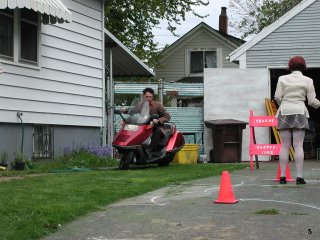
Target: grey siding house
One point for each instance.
(262, 60)
(52, 86)
(295, 33)
(200, 48)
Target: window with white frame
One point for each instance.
(200, 59)
(19, 35)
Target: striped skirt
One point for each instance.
(298, 121)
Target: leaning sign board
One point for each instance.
(261, 149)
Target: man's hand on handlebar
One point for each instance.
(123, 110)
(155, 121)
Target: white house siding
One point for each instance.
(173, 68)
(226, 63)
(66, 88)
(299, 36)
(173, 65)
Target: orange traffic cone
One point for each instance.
(226, 194)
(288, 174)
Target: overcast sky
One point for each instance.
(163, 36)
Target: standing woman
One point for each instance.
(291, 92)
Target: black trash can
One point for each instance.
(227, 140)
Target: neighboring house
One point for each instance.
(52, 89)
(262, 60)
(295, 33)
(202, 47)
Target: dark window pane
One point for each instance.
(196, 62)
(7, 11)
(29, 15)
(210, 59)
(6, 33)
(29, 42)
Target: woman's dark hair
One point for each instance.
(297, 63)
(149, 90)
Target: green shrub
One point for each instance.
(88, 160)
(81, 159)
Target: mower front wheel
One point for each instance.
(126, 159)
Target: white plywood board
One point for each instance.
(231, 94)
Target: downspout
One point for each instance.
(19, 115)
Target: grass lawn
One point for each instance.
(34, 206)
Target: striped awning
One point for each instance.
(52, 11)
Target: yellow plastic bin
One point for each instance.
(188, 154)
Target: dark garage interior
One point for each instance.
(312, 138)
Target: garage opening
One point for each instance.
(312, 138)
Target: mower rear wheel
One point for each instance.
(165, 162)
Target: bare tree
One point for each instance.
(249, 17)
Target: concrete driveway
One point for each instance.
(187, 211)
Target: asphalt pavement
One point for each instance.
(265, 210)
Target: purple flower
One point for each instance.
(67, 150)
(101, 151)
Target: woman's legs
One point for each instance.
(286, 137)
(298, 138)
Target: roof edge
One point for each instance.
(117, 41)
(53, 8)
(192, 31)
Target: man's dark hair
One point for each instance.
(149, 90)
